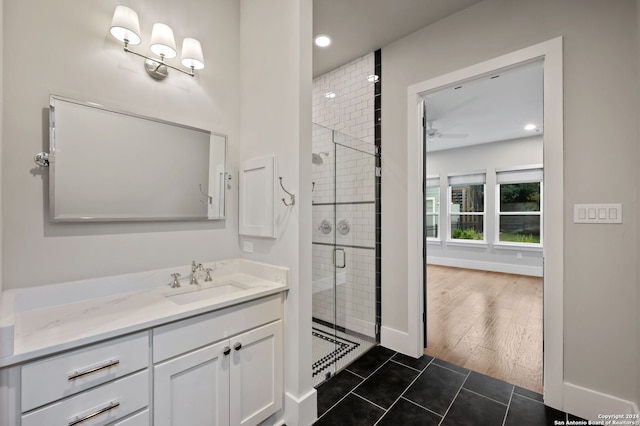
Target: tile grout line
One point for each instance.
(346, 394)
(415, 369)
(370, 402)
(355, 374)
(374, 371)
(487, 397)
(339, 401)
(528, 397)
(406, 389)
(506, 413)
(352, 389)
(418, 405)
(454, 398)
(451, 369)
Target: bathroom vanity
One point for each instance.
(132, 350)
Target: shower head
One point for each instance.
(317, 158)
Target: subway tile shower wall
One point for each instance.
(351, 110)
(344, 192)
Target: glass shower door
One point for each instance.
(323, 237)
(355, 247)
(344, 242)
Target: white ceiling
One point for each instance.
(480, 111)
(359, 27)
(489, 109)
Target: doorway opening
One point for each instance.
(550, 52)
(483, 215)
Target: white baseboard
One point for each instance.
(590, 404)
(508, 268)
(398, 341)
(360, 326)
(301, 411)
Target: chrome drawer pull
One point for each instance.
(109, 407)
(79, 374)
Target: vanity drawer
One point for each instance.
(100, 406)
(140, 419)
(183, 336)
(52, 378)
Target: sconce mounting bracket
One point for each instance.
(155, 69)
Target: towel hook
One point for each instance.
(209, 197)
(293, 197)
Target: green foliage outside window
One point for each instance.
(467, 234)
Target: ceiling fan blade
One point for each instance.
(452, 135)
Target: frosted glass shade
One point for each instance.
(192, 54)
(162, 41)
(125, 25)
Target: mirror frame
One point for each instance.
(53, 152)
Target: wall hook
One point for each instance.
(292, 197)
(209, 197)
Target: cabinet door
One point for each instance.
(257, 374)
(193, 389)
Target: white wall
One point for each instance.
(65, 48)
(1, 131)
(488, 157)
(638, 198)
(600, 161)
(276, 119)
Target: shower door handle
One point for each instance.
(344, 258)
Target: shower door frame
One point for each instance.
(340, 262)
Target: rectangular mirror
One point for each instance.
(108, 165)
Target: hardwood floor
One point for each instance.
(488, 322)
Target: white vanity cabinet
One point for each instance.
(142, 359)
(222, 368)
(94, 385)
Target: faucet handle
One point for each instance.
(208, 278)
(175, 283)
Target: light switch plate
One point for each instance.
(597, 213)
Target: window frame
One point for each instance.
(471, 178)
(528, 173)
(433, 182)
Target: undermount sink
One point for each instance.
(198, 294)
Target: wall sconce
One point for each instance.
(125, 27)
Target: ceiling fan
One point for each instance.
(435, 133)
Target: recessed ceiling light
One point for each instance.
(330, 95)
(373, 78)
(322, 40)
(530, 127)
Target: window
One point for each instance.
(519, 210)
(432, 208)
(466, 206)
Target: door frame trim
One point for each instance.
(553, 252)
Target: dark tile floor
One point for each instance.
(384, 387)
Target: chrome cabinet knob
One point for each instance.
(237, 346)
(226, 351)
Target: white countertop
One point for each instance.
(40, 321)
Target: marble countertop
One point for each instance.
(44, 320)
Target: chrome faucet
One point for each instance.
(195, 267)
(175, 283)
